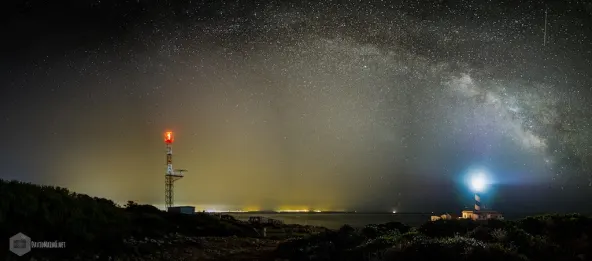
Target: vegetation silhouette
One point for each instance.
(94, 227)
(545, 237)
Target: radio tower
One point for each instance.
(171, 175)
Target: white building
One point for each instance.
(481, 214)
(442, 217)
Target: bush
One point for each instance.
(535, 247)
(303, 248)
(134, 207)
(330, 245)
(375, 247)
(452, 248)
(517, 239)
(569, 233)
(374, 231)
(346, 238)
(481, 233)
(370, 231)
(562, 229)
(447, 228)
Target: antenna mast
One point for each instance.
(170, 175)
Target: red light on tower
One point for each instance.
(168, 137)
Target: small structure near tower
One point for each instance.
(183, 210)
(170, 175)
(442, 217)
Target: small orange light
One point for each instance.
(168, 137)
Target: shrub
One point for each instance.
(370, 231)
(499, 235)
(374, 247)
(447, 228)
(452, 248)
(534, 247)
(482, 233)
(304, 248)
(374, 231)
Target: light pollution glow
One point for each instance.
(305, 111)
(284, 209)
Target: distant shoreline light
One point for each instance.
(275, 211)
(297, 211)
(224, 211)
(280, 211)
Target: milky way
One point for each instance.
(325, 105)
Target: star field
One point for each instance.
(320, 104)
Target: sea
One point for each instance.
(357, 220)
(337, 220)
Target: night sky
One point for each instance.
(373, 105)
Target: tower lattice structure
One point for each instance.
(171, 175)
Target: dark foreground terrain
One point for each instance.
(98, 229)
(548, 237)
